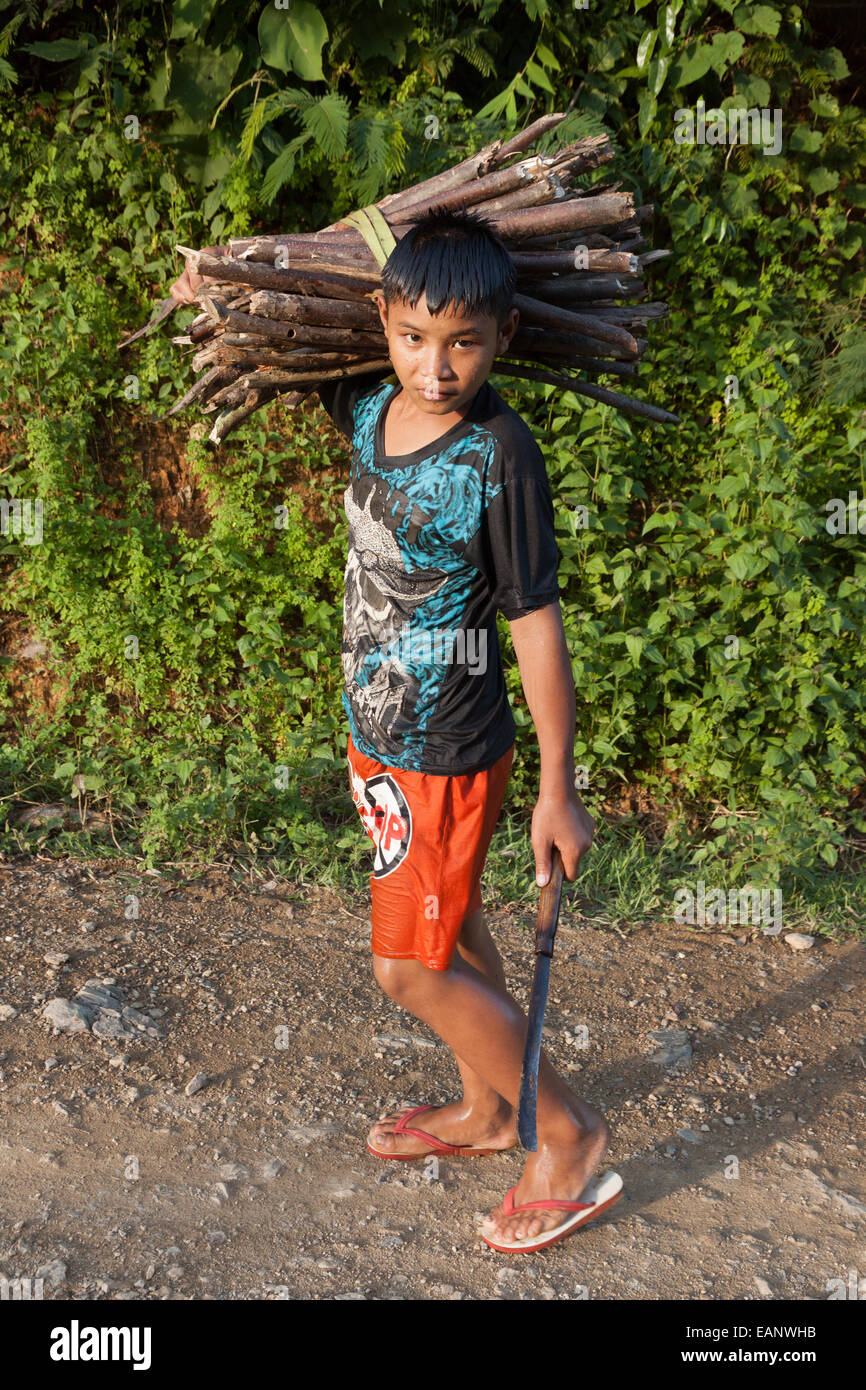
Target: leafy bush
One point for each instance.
(715, 623)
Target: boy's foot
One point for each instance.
(563, 1171)
(452, 1123)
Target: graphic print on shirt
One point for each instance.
(386, 816)
(404, 578)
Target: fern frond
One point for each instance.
(9, 31)
(283, 167)
(328, 121)
(476, 55)
(263, 112)
(368, 140)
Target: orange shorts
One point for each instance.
(431, 832)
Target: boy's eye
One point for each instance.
(466, 342)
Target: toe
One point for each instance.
(492, 1219)
(383, 1139)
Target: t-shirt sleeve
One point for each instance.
(339, 396)
(515, 545)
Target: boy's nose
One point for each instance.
(438, 370)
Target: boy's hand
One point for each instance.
(560, 819)
(185, 286)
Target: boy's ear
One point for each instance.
(378, 298)
(508, 329)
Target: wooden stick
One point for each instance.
(597, 393)
(587, 364)
(628, 314)
(307, 333)
(479, 190)
(581, 285)
(252, 356)
(230, 421)
(564, 217)
(540, 263)
(474, 166)
(535, 342)
(275, 377)
(267, 277)
(534, 311)
(333, 313)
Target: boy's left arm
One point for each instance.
(560, 817)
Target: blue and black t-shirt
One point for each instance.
(439, 540)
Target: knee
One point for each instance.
(472, 929)
(398, 978)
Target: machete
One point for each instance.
(545, 931)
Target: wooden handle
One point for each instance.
(548, 908)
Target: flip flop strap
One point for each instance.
(401, 1127)
(549, 1204)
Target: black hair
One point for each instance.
(452, 256)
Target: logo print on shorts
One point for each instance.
(392, 822)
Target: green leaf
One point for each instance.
(200, 77)
(645, 48)
(832, 62)
(758, 19)
(635, 644)
(726, 49)
(695, 64)
(292, 40)
(549, 59)
(657, 73)
(60, 51)
(539, 77)
(190, 18)
(667, 22)
(659, 518)
(745, 563)
(646, 112)
(751, 90)
(822, 180)
(824, 105)
(803, 138)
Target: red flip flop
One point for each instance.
(602, 1195)
(438, 1146)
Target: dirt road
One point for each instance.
(201, 1134)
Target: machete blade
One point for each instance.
(545, 932)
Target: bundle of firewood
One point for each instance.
(280, 314)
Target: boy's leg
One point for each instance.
(482, 1115)
(487, 1029)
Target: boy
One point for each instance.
(451, 518)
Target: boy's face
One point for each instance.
(442, 360)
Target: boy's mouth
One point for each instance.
(431, 392)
